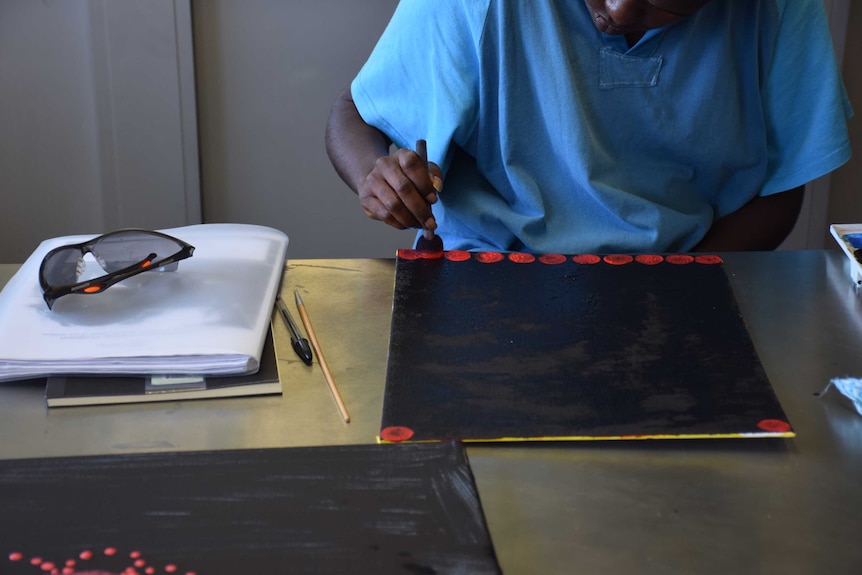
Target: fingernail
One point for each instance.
(430, 225)
(437, 182)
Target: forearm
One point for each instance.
(352, 145)
(761, 224)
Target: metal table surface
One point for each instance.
(677, 506)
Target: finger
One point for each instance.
(411, 204)
(408, 177)
(375, 210)
(389, 195)
(436, 179)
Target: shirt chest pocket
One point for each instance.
(621, 71)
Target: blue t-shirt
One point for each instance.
(557, 138)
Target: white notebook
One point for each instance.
(209, 317)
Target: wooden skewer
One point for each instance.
(320, 358)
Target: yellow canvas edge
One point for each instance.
(751, 435)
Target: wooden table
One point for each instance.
(685, 506)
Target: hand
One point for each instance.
(400, 189)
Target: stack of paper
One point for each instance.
(209, 317)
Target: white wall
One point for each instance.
(49, 169)
(97, 122)
(268, 72)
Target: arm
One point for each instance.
(761, 224)
(396, 189)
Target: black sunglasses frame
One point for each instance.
(97, 285)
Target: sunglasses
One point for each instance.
(122, 254)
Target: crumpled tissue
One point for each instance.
(851, 387)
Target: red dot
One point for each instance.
(396, 433)
(139, 563)
(68, 570)
(35, 561)
(489, 257)
(70, 562)
(409, 254)
(149, 570)
(520, 258)
(775, 425)
(586, 259)
(85, 555)
(110, 551)
(15, 556)
(47, 566)
(649, 259)
(679, 259)
(135, 554)
(170, 568)
(552, 259)
(708, 259)
(457, 255)
(618, 259)
(430, 254)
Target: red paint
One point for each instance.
(589, 259)
(618, 259)
(489, 257)
(396, 433)
(70, 564)
(775, 425)
(649, 259)
(457, 255)
(552, 259)
(409, 255)
(708, 259)
(679, 259)
(520, 258)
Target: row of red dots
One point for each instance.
(553, 259)
(139, 565)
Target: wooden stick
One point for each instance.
(323, 365)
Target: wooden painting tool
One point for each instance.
(428, 241)
(330, 381)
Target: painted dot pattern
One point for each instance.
(87, 562)
(401, 433)
(556, 259)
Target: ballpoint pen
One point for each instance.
(299, 343)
